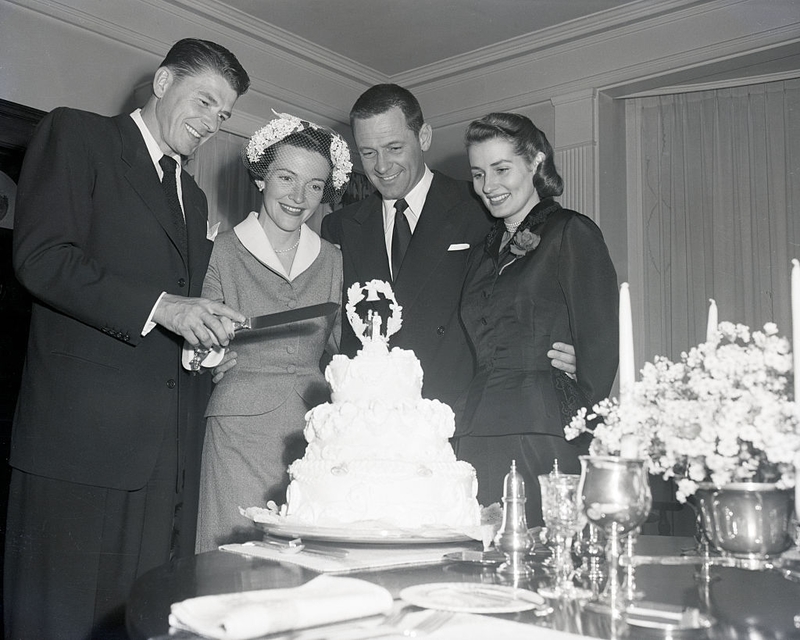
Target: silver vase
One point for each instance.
(746, 519)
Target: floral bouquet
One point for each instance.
(723, 414)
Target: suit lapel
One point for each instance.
(143, 177)
(196, 211)
(369, 245)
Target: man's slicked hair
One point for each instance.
(381, 98)
(191, 56)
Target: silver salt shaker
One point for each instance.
(513, 538)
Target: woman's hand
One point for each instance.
(228, 362)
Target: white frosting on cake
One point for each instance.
(383, 493)
(375, 375)
(379, 454)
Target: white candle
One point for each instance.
(713, 321)
(626, 366)
(796, 365)
(796, 329)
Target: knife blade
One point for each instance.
(286, 317)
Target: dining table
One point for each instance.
(737, 599)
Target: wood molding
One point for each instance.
(576, 167)
(674, 35)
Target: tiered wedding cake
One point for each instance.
(378, 454)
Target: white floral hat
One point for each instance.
(284, 125)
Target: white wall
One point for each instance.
(91, 54)
(46, 63)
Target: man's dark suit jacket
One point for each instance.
(95, 245)
(428, 286)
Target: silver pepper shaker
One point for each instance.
(513, 538)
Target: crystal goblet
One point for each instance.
(614, 494)
(563, 518)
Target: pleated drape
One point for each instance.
(217, 167)
(720, 209)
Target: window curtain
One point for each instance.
(716, 184)
(218, 170)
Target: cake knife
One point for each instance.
(195, 357)
(285, 317)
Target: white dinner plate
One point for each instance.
(362, 536)
(473, 597)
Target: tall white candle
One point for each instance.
(796, 365)
(626, 366)
(713, 320)
(796, 329)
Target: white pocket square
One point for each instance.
(458, 246)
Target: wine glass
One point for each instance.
(563, 518)
(614, 493)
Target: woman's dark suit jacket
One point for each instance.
(95, 244)
(515, 308)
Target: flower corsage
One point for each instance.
(524, 240)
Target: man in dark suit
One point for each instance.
(111, 239)
(445, 220)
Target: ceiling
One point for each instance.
(394, 37)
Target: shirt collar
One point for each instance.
(152, 146)
(415, 199)
(253, 237)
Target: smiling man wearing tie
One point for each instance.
(111, 239)
(416, 232)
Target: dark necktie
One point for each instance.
(170, 185)
(401, 236)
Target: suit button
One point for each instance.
(290, 349)
(291, 368)
(182, 282)
(440, 330)
(171, 383)
(291, 304)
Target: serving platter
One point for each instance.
(362, 536)
(467, 597)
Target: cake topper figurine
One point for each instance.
(373, 311)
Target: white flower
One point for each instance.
(723, 413)
(284, 125)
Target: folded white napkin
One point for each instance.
(251, 614)
(358, 558)
(213, 358)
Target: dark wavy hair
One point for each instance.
(191, 56)
(381, 98)
(528, 141)
(309, 139)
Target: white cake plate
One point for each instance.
(362, 536)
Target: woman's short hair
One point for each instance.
(527, 140)
(383, 97)
(309, 139)
(191, 56)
